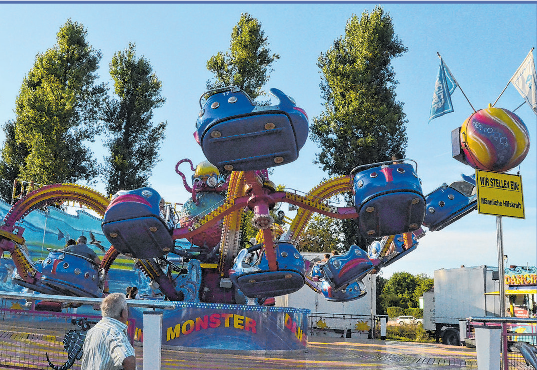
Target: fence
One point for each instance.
(513, 330)
(28, 335)
(339, 324)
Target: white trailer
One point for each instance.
(459, 293)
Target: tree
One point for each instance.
(381, 306)
(248, 62)
(56, 112)
(399, 290)
(322, 235)
(133, 139)
(362, 122)
(425, 283)
(13, 156)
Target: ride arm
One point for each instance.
(10, 242)
(315, 205)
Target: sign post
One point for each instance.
(500, 194)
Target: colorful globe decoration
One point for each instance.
(494, 139)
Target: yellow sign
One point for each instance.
(499, 194)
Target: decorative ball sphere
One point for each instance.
(207, 202)
(494, 139)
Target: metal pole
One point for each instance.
(372, 277)
(501, 273)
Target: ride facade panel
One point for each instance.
(235, 327)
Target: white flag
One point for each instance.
(525, 81)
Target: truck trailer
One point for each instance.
(459, 293)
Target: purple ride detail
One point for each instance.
(232, 327)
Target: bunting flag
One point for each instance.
(444, 87)
(524, 80)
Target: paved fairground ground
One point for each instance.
(325, 353)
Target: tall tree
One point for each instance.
(322, 235)
(134, 140)
(248, 63)
(362, 122)
(56, 112)
(13, 156)
(401, 286)
(425, 283)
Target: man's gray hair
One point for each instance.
(113, 304)
(82, 240)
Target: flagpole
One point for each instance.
(498, 98)
(439, 56)
(519, 106)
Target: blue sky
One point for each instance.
(482, 44)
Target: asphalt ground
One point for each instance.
(325, 353)
(24, 347)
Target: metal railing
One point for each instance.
(339, 324)
(27, 334)
(514, 330)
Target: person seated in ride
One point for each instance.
(132, 293)
(324, 260)
(83, 250)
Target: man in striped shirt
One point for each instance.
(107, 346)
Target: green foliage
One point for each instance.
(381, 309)
(56, 111)
(394, 312)
(402, 285)
(408, 333)
(403, 290)
(322, 235)
(133, 140)
(425, 284)
(13, 156)
(248, 62)
(362, 122)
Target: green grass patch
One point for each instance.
(408, 333)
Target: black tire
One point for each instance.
(451, 337)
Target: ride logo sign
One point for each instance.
(499, 194)
(236, 327)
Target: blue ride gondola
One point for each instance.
(66, 273)
(448, 203)
(251, 273)
(388, 198)
(353, 291)
(71, 274)
(235, 134)
(135, 225)
(345, 269)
